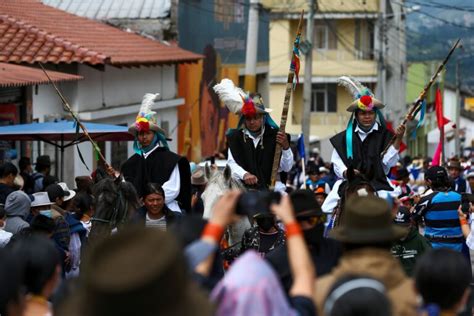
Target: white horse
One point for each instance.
(220, 182)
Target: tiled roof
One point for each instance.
(114, 9)
(31, 31)
(17, 76)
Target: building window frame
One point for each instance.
(329, 106)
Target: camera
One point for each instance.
(252, 203)
(465, 199)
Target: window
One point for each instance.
(324, 97)
(325, 35)
(364, 39)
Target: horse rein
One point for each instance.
(113, 221)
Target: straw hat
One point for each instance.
(41, 199)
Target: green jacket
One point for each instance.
(409, 249)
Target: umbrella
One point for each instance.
(63, 134)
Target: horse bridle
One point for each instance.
(113, 221)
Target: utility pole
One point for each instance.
(457, 143)
(250, 82)
(308, 74)
(380, 91)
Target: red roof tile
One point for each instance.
(17, 76)
(33, 32)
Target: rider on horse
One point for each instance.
(361, 144)
(252, 144)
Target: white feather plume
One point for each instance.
(230, 95)
(352, 85)
(147, 103)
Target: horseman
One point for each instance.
(153, 162)
(361, 144)
(252, 145)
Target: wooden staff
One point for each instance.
(286, 103)
(417, 104)
(74, 116)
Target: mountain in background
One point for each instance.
(434, 26)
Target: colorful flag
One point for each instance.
(441, 120)
(300, 146)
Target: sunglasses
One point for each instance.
(313, 220)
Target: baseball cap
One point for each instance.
(403, 216)
(436, 172)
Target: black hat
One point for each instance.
(403, 216)
(436, 173)
(43, 161)
(304, 201)
(367, 220)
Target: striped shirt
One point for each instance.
(439, 211)
(159, 223)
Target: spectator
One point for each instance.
(68, 196)
(470, 179)
(410, 247)
(314, 179)
(43, 168)
(459, 184)
(154, 212)
(320, 195)
(12, 301)
(113, 285)
(367, 232)
(26, 172)
(43, 225)
(39, 262)
(251, 286)
(17, 209)
(324, 252)
(357, 295)
(402, 180)
(443, 286)
(8, 173)
(84, 184)
(198, 183)
(439, 211)
(4, 235)
(83, 209)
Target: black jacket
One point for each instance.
(140, 216)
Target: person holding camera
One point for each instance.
(252, 144)
(439, 211)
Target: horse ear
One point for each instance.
(350, 174)
(227, 173)
(207, 170)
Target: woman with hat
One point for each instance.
(154, 162)
(363, 141)
(252, 144)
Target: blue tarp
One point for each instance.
(64, 131)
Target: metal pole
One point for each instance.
(250, 83)
(308, 75)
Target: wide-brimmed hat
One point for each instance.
(111, 283)
(198, 177)
(239, 102)
(68, 194)
(470, 175)
(454, 164)
(364, 99)
(367, 220)
(41, 199)
(305, 203)
(146, 119)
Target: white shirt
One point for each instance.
(286, 161)
(388, 161)
(170, 187)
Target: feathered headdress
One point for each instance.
(363, 98)
(237, 101)
(146, 119)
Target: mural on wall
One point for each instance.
(217, 30)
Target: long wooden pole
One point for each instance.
(286, 103)
(417, 104)
(74, 116)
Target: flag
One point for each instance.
(295, 61)
(439, 111)
(300, 146)
(437, 155)
(422, 111)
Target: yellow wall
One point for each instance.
(324, 5)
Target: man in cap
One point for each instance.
(439, 211)
(366, 233)
(43, 168)
(324, 252)
(153, 162)
(410, 247)
(459, 184)
(252, 145)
